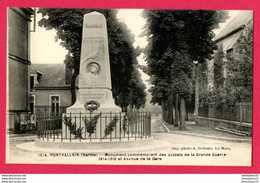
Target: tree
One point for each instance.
(167, 59)
(137, 94)
(238, 85)
(200, 27)
(175, 39)
(68, 26)
(240, 70)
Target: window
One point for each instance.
(55, 104)
(33, 81)
(230, 53)
(32, 104)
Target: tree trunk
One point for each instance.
(163, 112)
(170, 109)
(73, 86)
(183, 114)
(176, 122)
(196, 110)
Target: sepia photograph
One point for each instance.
(129, 86)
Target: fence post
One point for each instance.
(136, 125)
(66, 131)
(142, 125)
(69, 129)
(53, 127)
(61, 127)
(75, 127)
(105, 124)
(85, 129)
(150, 127)
(115, 128)
(128, 123)
(100, 128)
(80, 124)
(120, 127)
(90, 126)
(110, 122)
(240, 112)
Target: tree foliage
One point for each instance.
(218, 67)
(123, 55)
(138, 95)
(240, 71)
(238, 85)
(176, 38)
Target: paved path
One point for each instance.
(157, 126)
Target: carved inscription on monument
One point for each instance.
(93, 26)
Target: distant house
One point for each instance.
(18, 64)
(50, 88)
(228, 39)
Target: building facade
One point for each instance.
(19, 20)
(50, 88)
(228, 38)
(228, 45)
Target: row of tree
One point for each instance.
(176, 40)
(127, 86)
(179, 42)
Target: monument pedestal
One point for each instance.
(102, 96)
(78, 112)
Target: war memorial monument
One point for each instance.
(94, 121)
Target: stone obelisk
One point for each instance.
(94, 75)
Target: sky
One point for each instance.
(45, 50)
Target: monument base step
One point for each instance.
(104, 108)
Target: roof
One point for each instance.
(230, 40)
(51, 74)
(239, 20)
(29, 10)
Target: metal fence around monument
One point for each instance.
(128, 126)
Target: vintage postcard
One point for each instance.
(129, 87)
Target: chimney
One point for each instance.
(68, 74)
